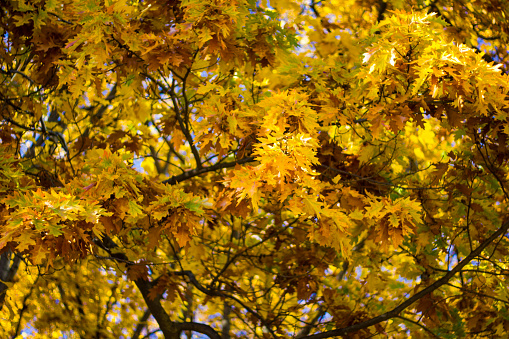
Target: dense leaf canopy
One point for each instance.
(242, 169)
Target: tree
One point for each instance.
(247, 169)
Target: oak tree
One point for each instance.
(254, 169)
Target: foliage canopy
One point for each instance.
(242, 169)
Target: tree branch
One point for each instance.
(200, 328)
(7, 272)
(24, 307)
(170, 329)
(217, 293)
(197, 171)
(382, 7)
(141, 325)
(395, 312)
(417, 324)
